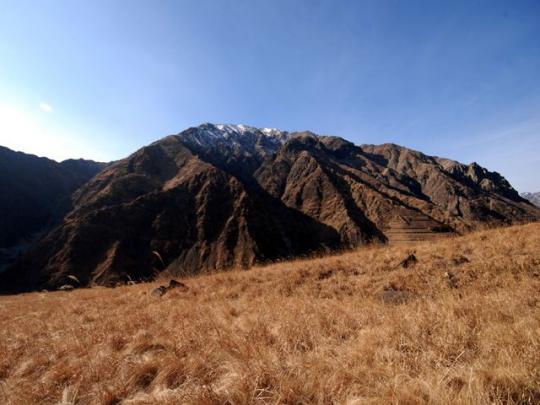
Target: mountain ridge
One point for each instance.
(223, 196)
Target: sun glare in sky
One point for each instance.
(36, 130)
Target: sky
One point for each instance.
(99, 79)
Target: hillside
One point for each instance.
(216, 197)
(35, 195)
(461, 324)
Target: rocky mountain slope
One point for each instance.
(221, 196)
(35, 194)
(532, 197)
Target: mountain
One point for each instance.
(35, 195)
(532, 197)
(222, 196)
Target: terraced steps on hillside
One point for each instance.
(412, 226)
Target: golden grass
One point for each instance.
(354, 328)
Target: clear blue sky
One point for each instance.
(99, 79)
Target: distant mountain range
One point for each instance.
(532, 197)
(222, 196)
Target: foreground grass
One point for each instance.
(354, 328)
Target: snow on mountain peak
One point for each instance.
(228, 130)
(241, 128)
(272, 132)
(246, 138)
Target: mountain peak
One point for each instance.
(237, 128)
(238, 139)
(227, 130)
(534, 198)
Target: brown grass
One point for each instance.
(354, 328)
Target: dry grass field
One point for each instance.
(461, 325)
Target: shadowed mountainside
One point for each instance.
(222, 196)
(36, 193)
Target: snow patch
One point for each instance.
(248, 139)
